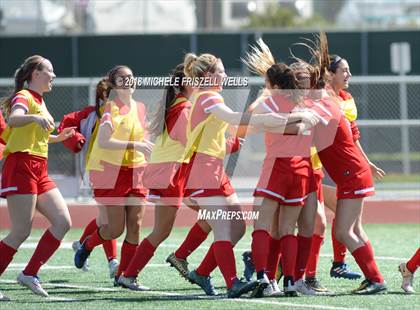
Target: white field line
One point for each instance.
(241, 300)
(68, 245)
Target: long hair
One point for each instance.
(22, 74)
(103, 88)
(157, 124)
(260, 59)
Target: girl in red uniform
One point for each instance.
(349, 169)
(116, 165)
(407, 271)
(86, 122)
(25, 181)
(207, 182)
(286, 183)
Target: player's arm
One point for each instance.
(377, 172)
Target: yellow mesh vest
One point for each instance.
(31, 138)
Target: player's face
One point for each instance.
(124, 79)
(219, 75)
(45, 76)
(342, 75)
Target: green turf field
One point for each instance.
(73, 289)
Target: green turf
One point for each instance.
(171, 292)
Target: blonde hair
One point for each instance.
(260, 59)
(197, 66)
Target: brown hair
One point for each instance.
(197, 66)
(157, 125)
(23, 74)
(103, 89)
(113, 73)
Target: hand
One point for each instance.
(377, 172)
(274, 120)
(144, 147)
(66, 133)
(44, 122)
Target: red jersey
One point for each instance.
(340, 156)
(292, 151)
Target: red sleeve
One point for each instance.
(73, 119)
(270, 105)
(176, 122)
(2, 128)
(73, 142)
(355, 131)
(232, 145)
(21, 101)
(209, 101)
(322, 111)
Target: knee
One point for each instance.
(114, 233)
(341, 234)
(20, 235)
(286, 230)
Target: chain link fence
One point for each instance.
(388, 107)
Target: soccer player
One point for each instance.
(25, 182)
(349, 169)
(116, 165)
(86, 122)
(407, 272)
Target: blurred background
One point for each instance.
(85, 38)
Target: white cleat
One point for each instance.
(75, 246)
(113, 267)
(32, 283)
(4, 298)
(273, 289)
(304, 288)
(407, 279)
(131, 283)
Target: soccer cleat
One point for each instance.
(76, 245)
(273, 289)
(240, 287)
(304, 288)
(4, 298)
(314, 284)
(204, 282)
(116, 284)
(81, 256)
(262, 284)
(289, 287)
(279, 272)
(249, 265)
(113, 265)
(32, 282)
(407, 279)
(368, 287)
(132, 284)
(342, 270)
(179, 264)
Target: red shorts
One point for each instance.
(286, 187)
(359, 186)
(173, 194)
(318, 176)
(205, 177)
(112, 185)
(24, 173)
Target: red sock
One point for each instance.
(144, 253)
(339, 249)
(94, 240)
(6, 256)
(110, 249)
(412, 264)
(304, 249)
(260, 248)
(195, 237)
(366, 261)
(208, 264)
(89, 229)
(273, 258)
(312, 264)
(127, 252)
(223, 251)
(288, 248)
(44, 250)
